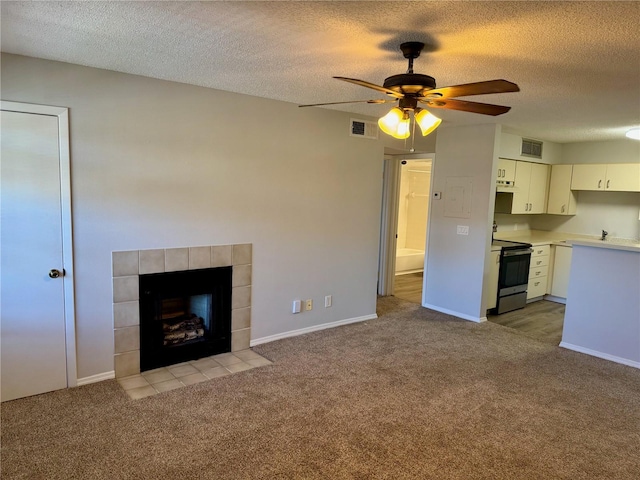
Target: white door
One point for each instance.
(33, 329)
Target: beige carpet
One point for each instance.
(413, 394)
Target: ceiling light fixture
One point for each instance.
(633, 133)
(397, 122)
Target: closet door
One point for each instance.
(33, 349)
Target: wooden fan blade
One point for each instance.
(381, 100)
(478, 88)
(362, 83)
(462, 105)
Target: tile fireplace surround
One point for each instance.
(127, 266)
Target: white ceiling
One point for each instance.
(577, 63)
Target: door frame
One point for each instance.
(389, 220)
(62, 115)
(388, 225)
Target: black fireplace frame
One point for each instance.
(158, 286)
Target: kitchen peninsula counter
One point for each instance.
(542, 237)
(602, 316)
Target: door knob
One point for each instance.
(54, 273)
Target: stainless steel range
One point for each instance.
(515, 258)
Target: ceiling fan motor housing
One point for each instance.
(410, 83)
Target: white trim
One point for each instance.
(553, 298)
(62, 114)
(463, 316)
(315, 328)
(595, 353)
(388, 226)
(99, 377)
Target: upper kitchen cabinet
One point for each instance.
(506, 173)
(506, 170)
(613, 177)
(562, 201)
(530, 193)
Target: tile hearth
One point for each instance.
(180, 375)
(129, 265)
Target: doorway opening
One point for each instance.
(404, 226)
(413, 213)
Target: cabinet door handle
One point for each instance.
(607, 183)
(599, 183)
(536, 284)
(538, 262)
(562, 209)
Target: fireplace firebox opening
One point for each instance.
(184, 316)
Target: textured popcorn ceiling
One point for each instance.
(577, 63)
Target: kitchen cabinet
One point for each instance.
(561, 268)
(506, 175)
(494, 273)
(562, 200)
(538, 271)
(614, 177)
(531, 187)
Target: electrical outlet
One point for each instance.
(308, 304)
(463, 229)
(327, 301)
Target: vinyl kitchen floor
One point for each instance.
(542, 320)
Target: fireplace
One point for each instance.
(184, 316)
(129, 266)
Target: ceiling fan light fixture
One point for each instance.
(426, 120)
(395, 123)
(633, 133)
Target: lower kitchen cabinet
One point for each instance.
(538, 272)
(561, 267)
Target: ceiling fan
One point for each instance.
(410, 89)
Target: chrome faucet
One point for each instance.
(604, 235)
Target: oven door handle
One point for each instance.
(511, 253)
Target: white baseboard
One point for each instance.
(96, 378)
(595, 353)
(315, 328)
(464, 316)
(553, 298)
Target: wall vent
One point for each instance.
(364, 129)
(531, 148)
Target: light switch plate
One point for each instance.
(463, 230)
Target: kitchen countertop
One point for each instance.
(541, 237)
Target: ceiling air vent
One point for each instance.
(531, 148)
(360, 128)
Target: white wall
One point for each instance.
(616, 212)
(158, 164)
(456, 263)
(613, 151)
